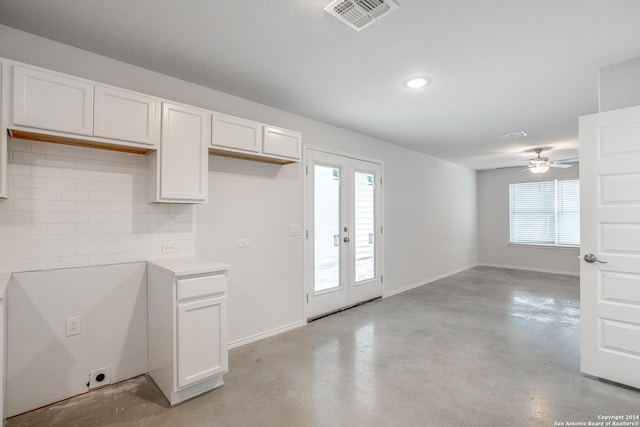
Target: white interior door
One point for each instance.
(344, 232)
(610, 241)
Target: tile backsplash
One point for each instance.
(74, 206)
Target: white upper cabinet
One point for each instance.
(235, 137)
(282, 143)
(235, 133)
(125, 115)
(3, 130)
(178, 171)
(56, 107)
(53, 101)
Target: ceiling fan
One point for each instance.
(542, 164)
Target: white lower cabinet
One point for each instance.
(187, 326)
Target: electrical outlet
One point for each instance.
(170, 247)
(244, 242)
(99, 377)
(73, 326)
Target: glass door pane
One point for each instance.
(326, 216)
(364, 205)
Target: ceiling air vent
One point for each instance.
(360, 13)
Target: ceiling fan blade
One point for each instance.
(560, 165)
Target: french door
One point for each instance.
(610, 245)
(344, 232)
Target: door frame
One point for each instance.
(307, 221)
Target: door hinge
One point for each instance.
(381, 230)
(307, 170)
(307, 234)
(381, 279)
(380, 180)
(307, 298)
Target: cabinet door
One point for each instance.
(282, 143)
(186, 132)
(201, 340)
(3, 133)
(52, 101)
(126, 116)
(237, 134)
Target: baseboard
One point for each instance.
(539, 270)
(266, 334)
(386, 294)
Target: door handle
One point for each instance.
(347, 240)
(591, 258)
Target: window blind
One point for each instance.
(545, 213)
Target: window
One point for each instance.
(545, 213)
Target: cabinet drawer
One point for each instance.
(201, 286)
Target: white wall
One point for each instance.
(430, 205)
(493, 224)
(44, 365)
(619, 85)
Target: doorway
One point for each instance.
(344, 255)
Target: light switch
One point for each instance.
(244, 242)
(295, 230)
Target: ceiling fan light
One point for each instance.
(539, 169)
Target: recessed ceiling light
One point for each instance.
(416, 83)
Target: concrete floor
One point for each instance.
(486, 347)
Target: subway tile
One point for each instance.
(18, 169)
(89, 185)
(45, 217)
(101, 259)
(45, 240)
(76, 174)
(90, 249)
(74, 217)
(46, 171)
(45, 194)
(19, 193)
(116, 227)
(61, 183)
(19, 145)
(74, 238)
(29, 205)
(29, 253)
(60, 162)
(46, 148)
(73, 151)
(61, 229)
(10, 218)
(29, 229)
(22, 157)
(28, 181)
(114, 248)
(54, 251)
(89, 229)
(6, 230)
(75, 195)
(60, 206)
(74, 261)
(44, 263)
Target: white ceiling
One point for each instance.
(496, 66)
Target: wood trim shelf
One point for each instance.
(247, 156)
(78, 142)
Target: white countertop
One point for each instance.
(189, 266)
(4, 282)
